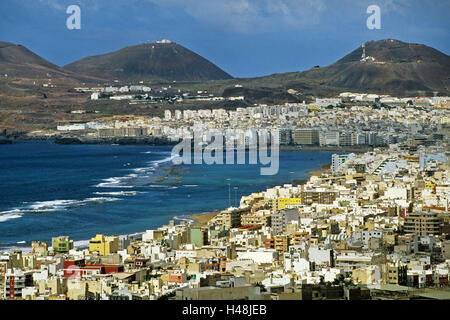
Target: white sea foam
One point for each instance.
(55, 205)
(109, 185)
(10, 214)
(49, 206)
(158, 186)
(100, 200)
(190, 185)
(158, 162)
(134, 234)
(24, 249)
(118, 193)
(113, 182)
(143, 172)
(184, 218)
(145, 169)
(81, 243)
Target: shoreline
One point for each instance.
(162, 141)
(197, 219)
(325, 148)
(318, 172)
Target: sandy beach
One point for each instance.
(325, 167)
(203, 218)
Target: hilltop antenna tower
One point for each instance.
(363, 56)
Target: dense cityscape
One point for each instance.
(358, 120)
(270, 157)
(374, 224)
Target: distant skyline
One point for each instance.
(246, 38)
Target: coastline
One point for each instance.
(162, 141)
(318, 172)
(201, 219)
(354, 149)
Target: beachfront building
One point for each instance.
(306, 136)
(62, 244)
(104, 245)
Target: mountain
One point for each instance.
(17, 61)
(390, 66)
(163, 60)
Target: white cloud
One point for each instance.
(248, 16)
(61, 5)
(55, 4)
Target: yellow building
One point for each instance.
(429, 184)
(76, 289)
(291, 228)
(282, 203)
(54, 287)
(39, 248)
(313, 107)
(282, 243)
(365, 276)
(104, 245)
(369, 224)
(394, 274)
(298, 237)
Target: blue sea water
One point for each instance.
(48, 190)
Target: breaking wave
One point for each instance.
(49, 206)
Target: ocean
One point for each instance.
(48, 190)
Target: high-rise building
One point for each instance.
(282, 217)
(15, 282)
(423, 223)
(306, 136)
(337, 160)
(347, 138)
(331, 137)
(285, 136)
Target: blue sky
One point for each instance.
(244, 37)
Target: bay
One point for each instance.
(48, 190)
